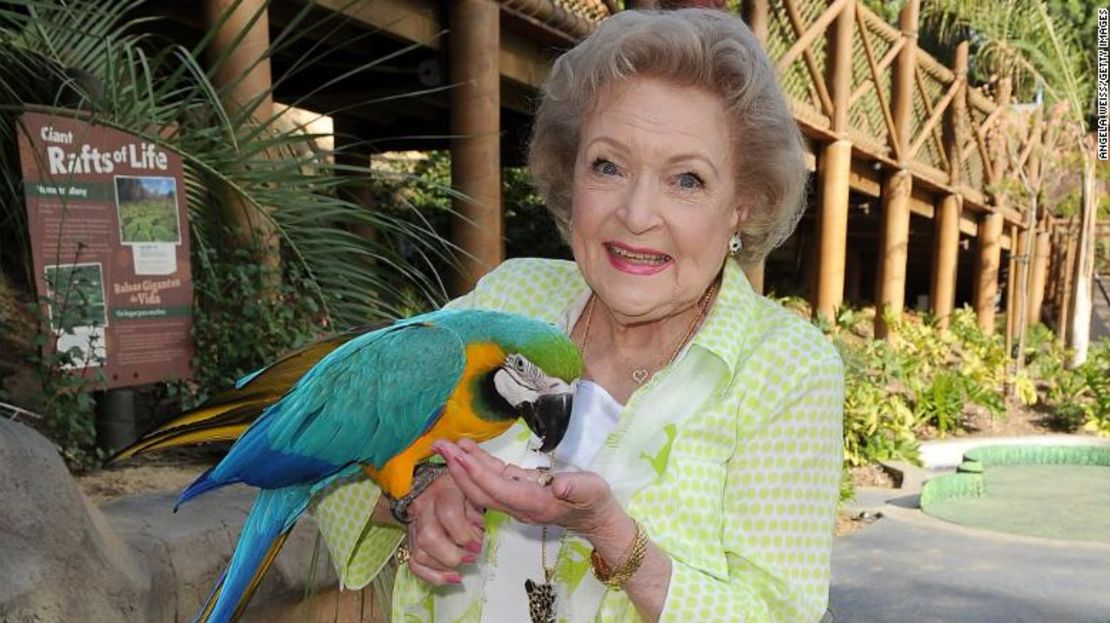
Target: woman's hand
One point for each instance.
(446, 531)
(579, 501)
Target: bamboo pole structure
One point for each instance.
(946, 255)
(474, 50)
(989, 241)
(834, 171)
(237, 54)
(898, 186)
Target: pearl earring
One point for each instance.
(735, 244)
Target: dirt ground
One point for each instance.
(167, 471)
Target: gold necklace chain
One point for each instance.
(640, 375)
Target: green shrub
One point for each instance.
(247, 313)
(1096, 373)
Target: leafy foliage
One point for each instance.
(1036, 47)
(66, 376)
(923, 381)
(418, 186)
(149, 220)
(85, 59)
(240, 320)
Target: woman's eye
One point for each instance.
(605, 167)
(689, 181)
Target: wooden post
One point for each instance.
(988, 259)
(1041, 250)
(474, 49)
(898, 186)
(989, 244)
(242, 75)
(945, 258)
(1022, 246)
(1058, 268)
(1055, 260)
(355, 160)
(757, 14)
(834, 170)
(946, 255)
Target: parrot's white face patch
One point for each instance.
(520, 381)
(512, 390)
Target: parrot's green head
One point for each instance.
(537, 379)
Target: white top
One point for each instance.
(593, 416)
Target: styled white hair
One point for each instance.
(703, 48)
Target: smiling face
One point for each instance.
(655, 201)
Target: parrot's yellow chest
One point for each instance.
(458, 421)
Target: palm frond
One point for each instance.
(85, 57)
(1018, 39)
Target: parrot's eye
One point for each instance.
(525, 371)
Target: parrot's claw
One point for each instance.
(422, 476)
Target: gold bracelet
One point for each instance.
(616, 578)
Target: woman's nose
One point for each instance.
(639, 210)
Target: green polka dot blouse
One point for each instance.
(730, 458)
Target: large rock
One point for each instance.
(59, 559)
(62, 559)
(185, 552)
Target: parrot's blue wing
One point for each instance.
(363, 403)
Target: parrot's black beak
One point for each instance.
(548, 417)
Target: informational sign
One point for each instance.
(110, 240)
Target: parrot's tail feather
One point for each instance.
(208, 424)
(229, 432)
(258, 575)
(206, 613)
(226, 415)
(264, 533)
(199, 486)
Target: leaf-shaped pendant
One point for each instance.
(541, 601)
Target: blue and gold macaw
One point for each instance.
(373, 403)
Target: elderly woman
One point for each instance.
(699, 478)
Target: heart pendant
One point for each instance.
(541, 601)
(639, 375)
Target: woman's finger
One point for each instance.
(452, 517)
(432, 576)
(479, 455)
(432, 547)
(514, 490)
(456, 465)
(476, 516)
